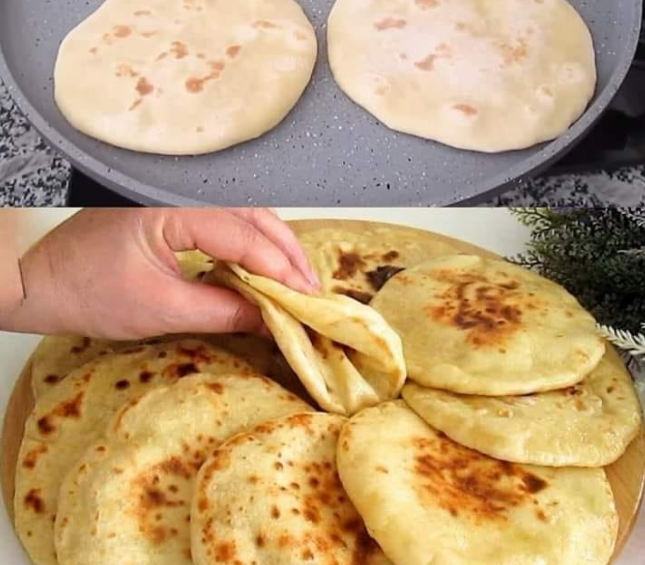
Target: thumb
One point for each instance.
(202, 308)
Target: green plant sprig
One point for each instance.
(598, 255)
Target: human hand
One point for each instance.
(112, 273)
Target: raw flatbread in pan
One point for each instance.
(128, 499)
(75, 413)
(589, 424)
(184, 77)
(475, 74)
(426, 499)
(272, 497)
(345, 354)
(358, 262)
(483, 326)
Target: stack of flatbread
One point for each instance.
(466, 409)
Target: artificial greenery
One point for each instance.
(599, 256)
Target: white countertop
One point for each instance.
(494, 229)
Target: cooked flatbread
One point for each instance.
(57, 356)
(483, 75)
(194, 264)
(426, 499)
(272, 497)
(75, 413)
(184, 77)
(483, 326)
(345, 354)
(589, 424)
(358, 262)
(128, 498)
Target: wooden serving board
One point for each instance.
(626, 476)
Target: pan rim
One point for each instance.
(471, 193)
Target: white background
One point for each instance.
(494, 229)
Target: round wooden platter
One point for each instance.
(627, 475)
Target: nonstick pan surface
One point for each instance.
(327, 152)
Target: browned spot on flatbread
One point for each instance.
(146, 376)
(122, 384)
(379, 276)
(488, 312)
(195, 85)
(390, 23)
(127, 71)
(143, 13)
(513, 53)
(162, 56)
(364, 297)
(34, 502)
(152, 500)
(31, 459)
(299, 35)
(185, 369)
(135, 104)
(263, 24)
(179, 49)
(52, 379)
(466, 109)
(225, 552)
(426, 64)
(70, 408)
(94, 50)
(390, 256)
(45, 425)
(426, 4)
(122, 31)
(144, 88)
(233, 51)
(148, 34)
(217, 388)
(78, 349)
(348, 265)
(467, 483)
(176, 467)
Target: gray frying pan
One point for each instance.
(327, 152)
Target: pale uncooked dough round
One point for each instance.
(186, 76)
(486, 76)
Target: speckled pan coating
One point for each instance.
(327, 152)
